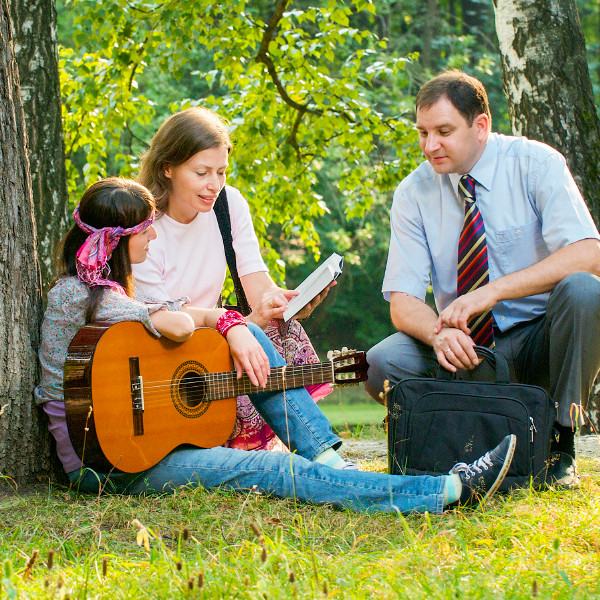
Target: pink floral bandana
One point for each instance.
(94, 254)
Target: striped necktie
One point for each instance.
(473, 261)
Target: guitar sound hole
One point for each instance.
(192, 389)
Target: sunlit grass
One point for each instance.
(543, 544)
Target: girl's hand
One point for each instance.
(248, 355)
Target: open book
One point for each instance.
(314, 284)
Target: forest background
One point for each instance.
(317, 167)
(320, 99)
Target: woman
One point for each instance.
(113, 230)
(185, 169)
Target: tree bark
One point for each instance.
(547, 84)
(34, 30)
(23, 450)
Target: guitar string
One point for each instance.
(227, 377)
(160, 398)
(287, 426)
(200, 382)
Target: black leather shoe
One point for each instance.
(562, 471)
(482, 478)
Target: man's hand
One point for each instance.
(454, 349)
(458, 314)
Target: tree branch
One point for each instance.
(264, 58)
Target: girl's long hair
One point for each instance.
(180, 137)
(109, 202)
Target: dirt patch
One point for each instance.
(588, 446)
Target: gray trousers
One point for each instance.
(559, 351)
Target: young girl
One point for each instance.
(113, 229)
(185, 169)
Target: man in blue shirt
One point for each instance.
(543, 255)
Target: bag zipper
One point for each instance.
(532, 428)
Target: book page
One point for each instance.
(314, 284)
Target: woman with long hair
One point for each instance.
(185, 169)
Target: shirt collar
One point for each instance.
(485, 167)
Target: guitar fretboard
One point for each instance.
(227, 385)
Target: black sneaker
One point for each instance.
(483, 477)
(562, 471)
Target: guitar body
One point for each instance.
(111, 426)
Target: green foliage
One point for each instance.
(319, 97)
(295, 91)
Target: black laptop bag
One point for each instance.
(434, 423)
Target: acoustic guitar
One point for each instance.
(131, 398)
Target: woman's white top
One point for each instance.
(188, 259)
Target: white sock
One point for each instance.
(452, 489)
(331, 458)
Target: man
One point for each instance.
(530, 288)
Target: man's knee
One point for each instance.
(376, 358)
(395, 358)
(578, 291)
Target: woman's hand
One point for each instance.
(248, 355)
(307, 310)
(272, 305)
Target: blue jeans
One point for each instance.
(294, 417)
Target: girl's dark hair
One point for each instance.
(109, 202)
(180, 137)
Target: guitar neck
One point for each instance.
(227, 385)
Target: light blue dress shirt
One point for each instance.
(530, 206)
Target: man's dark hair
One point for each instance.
(466, 93)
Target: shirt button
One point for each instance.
(502, 318)
(518, 232)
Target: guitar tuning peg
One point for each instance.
(329, 354)
(344, 349)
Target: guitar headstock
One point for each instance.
(349, 366)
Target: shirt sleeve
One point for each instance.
(409, 259)
(557, 200)
(115, 307)
(245, 243)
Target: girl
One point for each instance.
(113, 229)
(185, 169)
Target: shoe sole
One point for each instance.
(503, 471)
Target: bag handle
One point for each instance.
(496, 360)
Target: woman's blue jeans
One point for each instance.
(299, 423)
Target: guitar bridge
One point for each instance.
(137, 395)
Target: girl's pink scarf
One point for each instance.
(94, 254)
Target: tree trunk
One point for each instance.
(547, 84)
(430, 31)
(23, 450)
(34, 29)
(546, 81)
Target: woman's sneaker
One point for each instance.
(482, 478)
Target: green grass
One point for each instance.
(529, 544)
(347, 416)
(349, 407)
